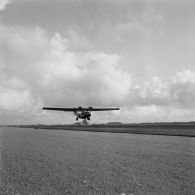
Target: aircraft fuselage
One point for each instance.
(84, 115)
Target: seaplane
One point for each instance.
(81, 112)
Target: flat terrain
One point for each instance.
(186, 129)
(81, 162)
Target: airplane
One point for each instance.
(80, 112)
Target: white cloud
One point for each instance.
(3, 4)
(184, 77)
(178, 92)
(39, 69)
(11, 99)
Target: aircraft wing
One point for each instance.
(61, 109)
(79, 109)
(100, 109)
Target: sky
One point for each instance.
(138, 55)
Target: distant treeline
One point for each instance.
(186, 129)
(169, 125)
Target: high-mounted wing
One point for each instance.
(100, 109)
(79, 109)
(61, 109)
(81, 112)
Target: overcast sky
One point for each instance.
(138, 55)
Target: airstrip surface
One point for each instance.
(82, 162)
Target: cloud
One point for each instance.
(52, 71)
(41, 69)
(178, 91)
(3, 4)
(93, 78)
(37, 67)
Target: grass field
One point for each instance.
(80, 162)
(186, 129)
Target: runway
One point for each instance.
(80, 162)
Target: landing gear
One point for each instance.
(85, 122)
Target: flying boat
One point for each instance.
(81, 112)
